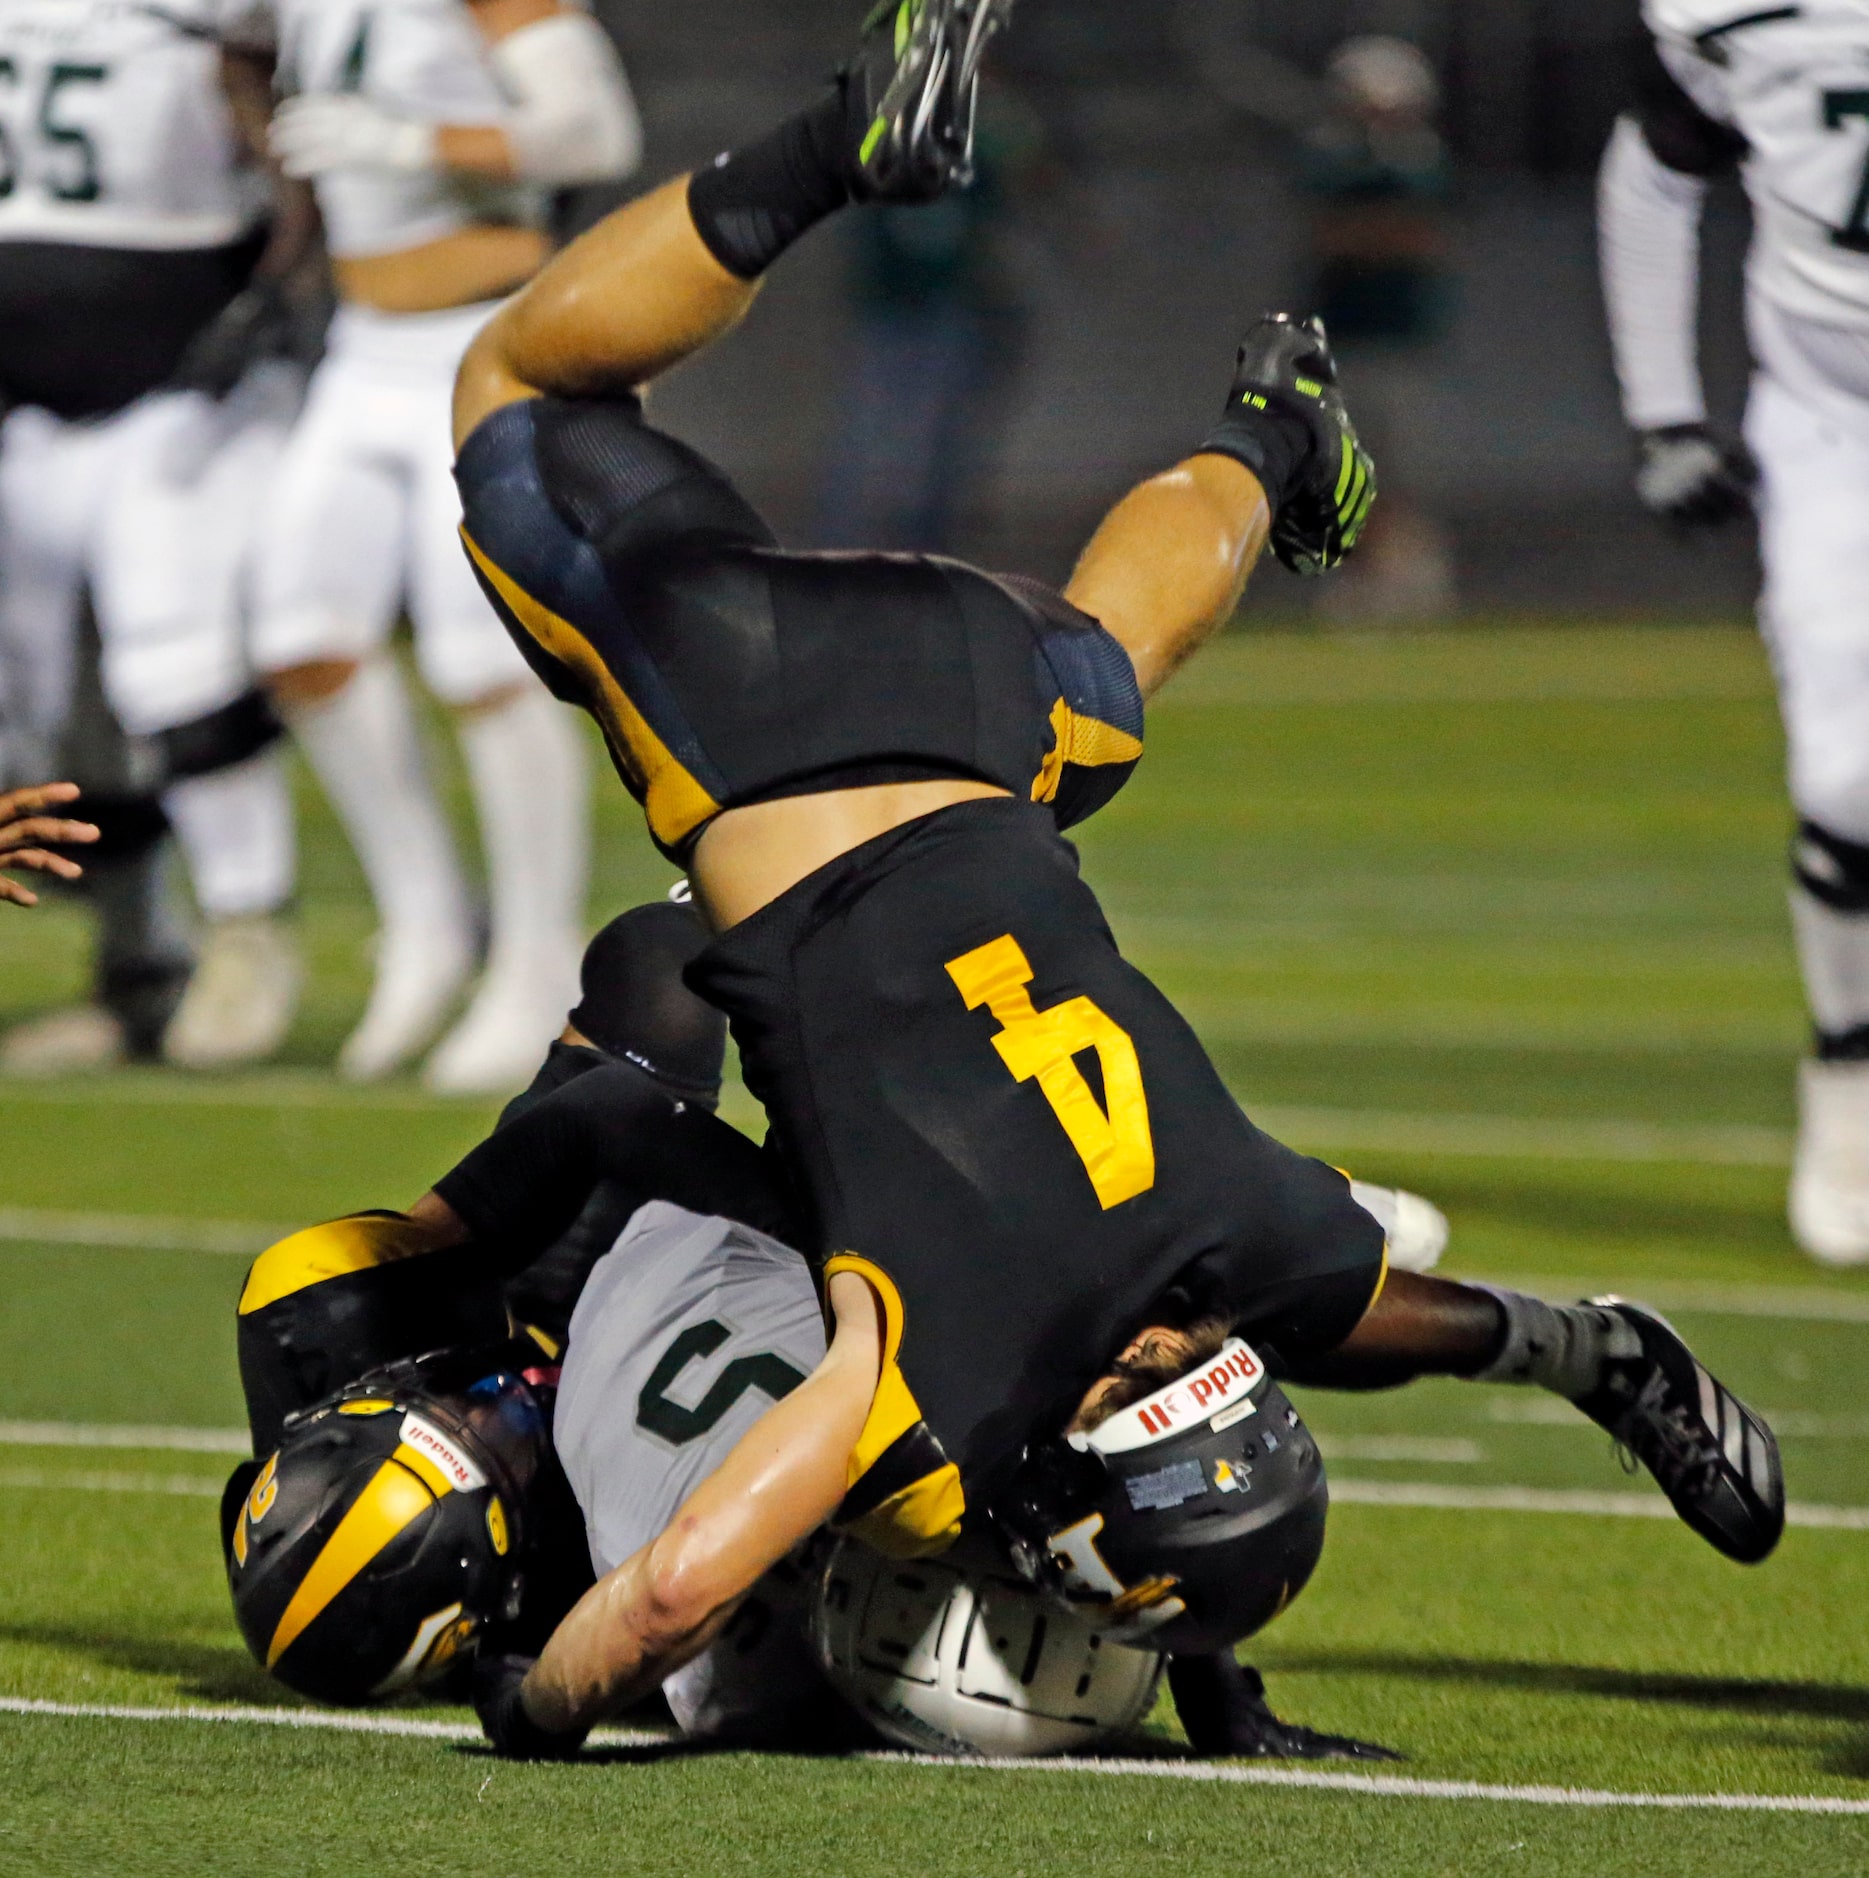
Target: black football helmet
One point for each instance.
(1187, 1521)
(387, 1528)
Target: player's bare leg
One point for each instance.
(669, 274)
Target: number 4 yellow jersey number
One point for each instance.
(1112, 1139)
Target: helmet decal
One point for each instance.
(438, 1639)
(1204, 1394)
(443, 1463)
(394, 1499)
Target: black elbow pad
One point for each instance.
(1679, 132)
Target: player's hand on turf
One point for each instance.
(23, 828)
(310, 136)
(1223, 1709)
(1286, 421)
(1691, 478)
(513, 1733)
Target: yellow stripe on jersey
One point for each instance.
(356, 1243)
(1086, 741)
(393, 1500)
(924, 1515)
(674, 802)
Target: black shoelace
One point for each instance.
(1661, 1435)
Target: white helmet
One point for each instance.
(957, 1655)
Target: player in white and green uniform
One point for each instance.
(132, 218)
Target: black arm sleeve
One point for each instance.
(1679, 132)
(522, 1188)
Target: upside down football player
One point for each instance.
(352, 1578)
(1024, 1177)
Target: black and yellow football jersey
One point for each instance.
(1016, 1139)
(725, 670)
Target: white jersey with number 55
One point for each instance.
(1794, 82)
(114, 132)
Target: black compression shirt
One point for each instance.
(525, 1186)
(85, 331)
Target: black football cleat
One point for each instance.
(911, 93)
(1224, 1711)
(1715, 1459)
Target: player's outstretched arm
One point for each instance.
(661, 1608)
(23, 828)
(1168, 565)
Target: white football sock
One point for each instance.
(364, 745)
(532, 793)
(235, 828)
(531, 786)
(366, 750)
(1833, 948)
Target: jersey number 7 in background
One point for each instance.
(1112, 1139)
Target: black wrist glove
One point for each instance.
(1691, 478)
(511, 1730)
(1223, 1708)
(1285, 420)
(257, 323)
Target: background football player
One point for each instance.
(134, 252)
(868, 762)
(431, 131)
(1777, 93)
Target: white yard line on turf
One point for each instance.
(1432, 1494)
(1511, 1137)
(1549, 1411)
(1376, 1786)
(298, 1718)
(115, 1435)
(1388, 1787)
(1809, 1304)
(190, 1486)
(137, 1232)
(1438, 1495)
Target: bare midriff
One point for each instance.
(471, 265)
(748, 857)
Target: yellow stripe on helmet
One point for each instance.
(394, 1499)
(356, 1243)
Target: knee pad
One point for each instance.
(221, 738)
(1831, 868)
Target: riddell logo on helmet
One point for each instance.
(432, 1444)
(1192, 1399)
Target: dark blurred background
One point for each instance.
(1153, 176)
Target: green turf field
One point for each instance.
(1498, 915)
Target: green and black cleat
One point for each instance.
(911, 93)
(1286, 362)
(1715, 1459)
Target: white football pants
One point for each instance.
(1812, 446)
(152, 510)
(365, 517)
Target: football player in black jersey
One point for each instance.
(1033, 1196)
(620, 1114)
